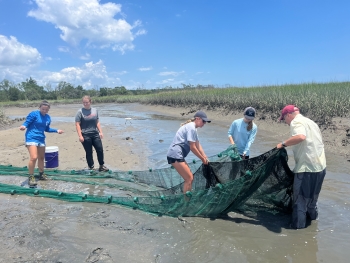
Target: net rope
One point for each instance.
(228, 183)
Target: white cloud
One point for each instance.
(63, 49)
(86, 75)
(165, 81)
(88, 20)
(145, 69)
(171, 73)
(85, 57)
(14, 53)
(121, 72)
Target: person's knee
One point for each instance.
(189, 179)
(33, 158)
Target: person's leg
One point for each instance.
(41, 158)
(183, 169)
(87, 144)
(316, 182)
(299, 203)
(97, 143)
(33, 156)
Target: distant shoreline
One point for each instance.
(336, 136)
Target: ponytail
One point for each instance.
(188, 121)
(250, 126)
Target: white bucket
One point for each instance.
(51, 157)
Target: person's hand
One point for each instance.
(205, 161)
(81, 139)
(60, 131)
(279, 146)
(101, 135)
(22, 128)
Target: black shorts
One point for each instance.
(173, 160)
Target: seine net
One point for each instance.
(263, 183)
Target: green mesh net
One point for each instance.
(263, 183)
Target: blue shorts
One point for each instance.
(37, 144)
(173, 160)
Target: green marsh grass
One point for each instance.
(318, 101)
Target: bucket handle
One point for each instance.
(51, 158)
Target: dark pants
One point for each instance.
(90, 141)
(306, 189)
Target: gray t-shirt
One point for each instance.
(180, 147)
(88, 120)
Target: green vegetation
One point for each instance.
(319, 101)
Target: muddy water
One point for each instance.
(46, 230)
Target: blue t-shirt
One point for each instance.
(242, 138)
(37, 124)
(180, 147)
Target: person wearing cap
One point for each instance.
(186, 140)
(242, 132)
(36, 124)
(310, 164)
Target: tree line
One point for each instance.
(31, 90)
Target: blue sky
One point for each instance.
(159, 43)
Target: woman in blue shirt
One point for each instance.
(242, 132)
(37, 123)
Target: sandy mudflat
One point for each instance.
(36, 229)
(118, 151)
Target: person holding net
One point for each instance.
(242, 132)
(310, 164)
(186, 140)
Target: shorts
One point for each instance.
(173, 160)
(37, 144)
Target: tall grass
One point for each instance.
(320, 101)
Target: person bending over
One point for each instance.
(242, 132)
(186, 140)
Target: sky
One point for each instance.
(151, 44)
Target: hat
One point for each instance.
(287, 109)
(202, 115)
(249, 113)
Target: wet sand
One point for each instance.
(35, 229)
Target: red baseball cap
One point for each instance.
(287, 109)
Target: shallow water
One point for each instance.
(70, 232)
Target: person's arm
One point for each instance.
(99, 129)
(29, 119)
(194, 146)
(49, 129)
(250, 140)
(230, 133)
(292, 141)
(78, 128)
(200, 148)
